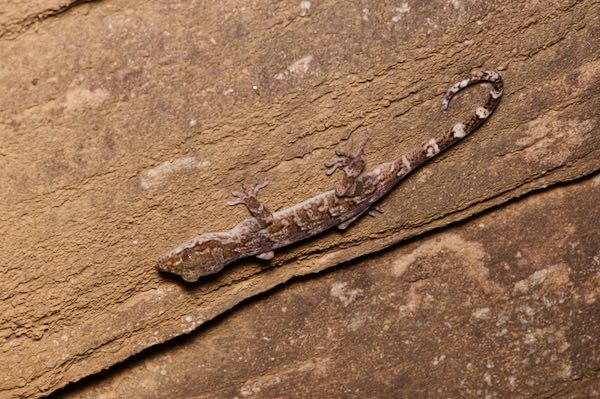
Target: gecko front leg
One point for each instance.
(352, 166)
(261, 213)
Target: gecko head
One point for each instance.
(191, 260)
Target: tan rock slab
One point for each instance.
(124, 125)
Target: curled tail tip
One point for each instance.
(490, 76)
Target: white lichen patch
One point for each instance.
(80, 98)
(346, 296)
(534, 280)
(159, 174)
(403, 9)
(297, 68)
(358, 321)
(554, 278)
(401, 265)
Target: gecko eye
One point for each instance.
(186, 256)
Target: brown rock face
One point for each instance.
(124, 126)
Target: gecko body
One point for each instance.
(353, 196)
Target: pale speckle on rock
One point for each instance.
(438, 359)
(487, 378)
(365, 14)
(566, 371)
(529, 339)
(297, 68)
(529, 311)
(481, 313)
(305, 7)
(518, 254)
(301, 66)
(358, 321)
(403, 9)
(502, 332)
(414, 299)
(80, 98)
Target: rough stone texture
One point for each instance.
(124, 125)
(506, 305)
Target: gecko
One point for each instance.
(353, 196)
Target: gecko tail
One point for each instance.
(492, 77)
(459, 130)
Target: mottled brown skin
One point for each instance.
(264, 232)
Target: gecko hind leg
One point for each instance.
(266, 255)
(344, 225)
(351, 165)
(257, 209)
(374, 210)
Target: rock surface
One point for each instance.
(125, 125)
(505, 305)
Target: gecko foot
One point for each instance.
(351, 165)
(266, 255)
(374, 210)
(255, 207)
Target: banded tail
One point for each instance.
(439, 143)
